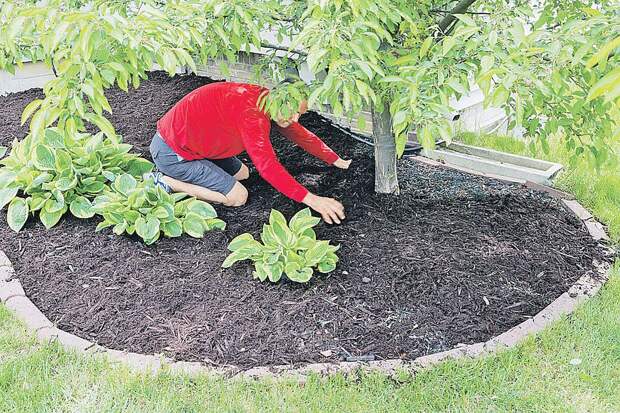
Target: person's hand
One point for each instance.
(342, 164)
(331, 210)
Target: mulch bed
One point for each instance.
(454, 259)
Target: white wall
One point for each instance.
(31, 75)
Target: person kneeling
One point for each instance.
(197, 141)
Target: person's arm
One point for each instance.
(309, 142)
(255, 136)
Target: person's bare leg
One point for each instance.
(243, 173)
(237, 196)
(195, 190)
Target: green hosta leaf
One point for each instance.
(119, 228)
(235, 256)
(53, 138)
(49, 219)
(192, 225)
(314, 255)
(326, 266)
(274, 271)
(17, 213)
(53, 205)
(44, 158)
(63, 160)
(94, 187)
(241, 241)
(202, 208)
(301, 224)
(267, 235)
(163, 213)
(305, 243)
(215, 223)
(103, 224)
(261, 272)
(7, 177)
(173, 229)
(297, 274)
(3, 150)
(125, 184)
(147, 228)
(178, 196)
(283, 234)
(309, 233)
(65, 184)
(37, 202)
(276, 216)
(29, 109)
(139, 166)
(110, 176)
(7, 195)
(82, 208)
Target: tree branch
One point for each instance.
(284, 49)
(448, 20)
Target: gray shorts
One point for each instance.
(213, 174)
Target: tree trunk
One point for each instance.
(386, 178)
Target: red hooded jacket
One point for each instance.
(220, 120)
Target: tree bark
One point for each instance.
(386, 178)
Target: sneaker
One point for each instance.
(157, 178)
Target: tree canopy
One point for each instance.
(552, 64)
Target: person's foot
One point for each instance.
(157, 178)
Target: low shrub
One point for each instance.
(291, 249)
(147, 210)
(60, 173)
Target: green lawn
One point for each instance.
(537, 376)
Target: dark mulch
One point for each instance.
(453, 259)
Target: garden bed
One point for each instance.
(454, 259)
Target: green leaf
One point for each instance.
(326, 267)
(235, 256)
(605, 85)
(315, 254)
(147, 229)
(300, 223)
(7, 195)
(426, 46)
(297, 274)
(192, 225)
(603, 53)
(202, 208)
(17, 213)
(276, 216)
(125, 184)
(215, 223)
(274, 271)
(29, 109)
(139, 166)
(49, 219)
(241, 241)
(44, 158)
(81, 207)
(173, 229)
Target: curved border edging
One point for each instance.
(14, 297)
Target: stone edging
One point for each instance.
(13, 296)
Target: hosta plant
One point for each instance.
(291, 249)
(60, 172)
(145, 209)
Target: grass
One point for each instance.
(536, 376)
